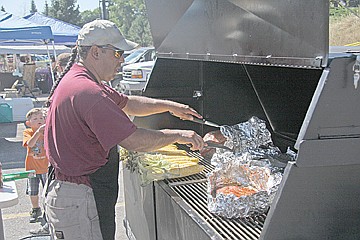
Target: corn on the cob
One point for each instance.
(186, 171)
(167, 162)
(171, 150)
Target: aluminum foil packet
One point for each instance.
(249, 137)
(246, 179)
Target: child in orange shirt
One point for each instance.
(33, 140)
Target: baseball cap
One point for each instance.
(103, 32)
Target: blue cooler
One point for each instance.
(6, 114)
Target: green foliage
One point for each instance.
(131, 17)
(139, 32)
(337, 13)
(65, 10)
(343, 8)
(88, 16)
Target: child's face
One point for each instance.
(36, 120)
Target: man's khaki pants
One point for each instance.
(71, 211)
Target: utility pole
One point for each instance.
(104, 8)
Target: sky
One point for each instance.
(22, 7)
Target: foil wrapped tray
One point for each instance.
(245, 180)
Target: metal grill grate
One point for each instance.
(195, 195)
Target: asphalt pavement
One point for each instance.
(12, 157)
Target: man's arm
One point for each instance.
(143, 106)
(143, 140)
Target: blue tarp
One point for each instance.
(64, 33)
(14, 30)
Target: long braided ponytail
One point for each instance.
(74, 52)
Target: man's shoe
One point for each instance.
(34, 214)
(44, 230)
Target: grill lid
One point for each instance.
(277, 32)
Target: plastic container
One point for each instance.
(20, 107)
(6, 113)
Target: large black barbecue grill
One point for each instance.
(234, 59)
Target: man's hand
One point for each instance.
(190, 138)
(184, 112)
(214, 136)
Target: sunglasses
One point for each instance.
(117, 53)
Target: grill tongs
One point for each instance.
(212, 124)
(217, 145)
(206, 122)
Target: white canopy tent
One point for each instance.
(16, 32)
(41, 49)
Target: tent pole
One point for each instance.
(55, 56)
(48, 53)
(55, 59)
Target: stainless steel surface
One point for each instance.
(278, 32)
(334, 111)
(267, 59)
(318, 196)
(206, 122)
(192, 198)
(316, 203)
(177, 209)
(186, 182)
(139, 208)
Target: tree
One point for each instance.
(2, 9)
(33, 7)
(88, 16)
(140, 30)
(131, 17)
(65, 10)
(46, 9)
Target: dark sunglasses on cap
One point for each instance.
(117, 53)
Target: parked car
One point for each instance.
(135, 77)
(143, 54)
(138, 55)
